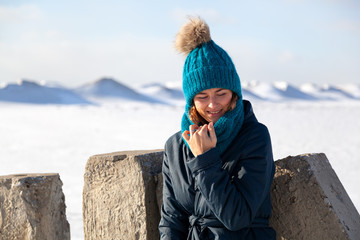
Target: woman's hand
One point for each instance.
(200, 139)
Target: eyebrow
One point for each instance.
(221, 89)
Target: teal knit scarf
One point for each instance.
(226, 128)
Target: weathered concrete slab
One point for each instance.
(119, 200)
(32, 207)
(123, 196)
(309, 201)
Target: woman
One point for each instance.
(218, 169)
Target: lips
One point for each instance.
(214, 113)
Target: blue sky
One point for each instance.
(75, 42)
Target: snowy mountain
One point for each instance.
(110, 89)
(247, 94)
(161, 91)
(277, 91)
(107, 90)
(283, 91)
(30, 92)
(288, 91)
(262, 90)
(352, 89)
(330, 92)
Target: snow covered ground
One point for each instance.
(60, 138)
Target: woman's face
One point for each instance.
(213, 103)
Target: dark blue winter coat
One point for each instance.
(219, 197)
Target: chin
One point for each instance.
(214, 120)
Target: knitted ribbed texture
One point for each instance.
(226, 128)
(209, 66)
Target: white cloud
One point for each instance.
(20, 14)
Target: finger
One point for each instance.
(211, 126)
(212, 131)
(186, 136)
(203, 129)
(193, 129)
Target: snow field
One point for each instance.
(58, 138)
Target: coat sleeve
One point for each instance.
(235, 200)
(174, 221)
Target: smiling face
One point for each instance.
(213, 103)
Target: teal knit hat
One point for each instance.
(207, 65)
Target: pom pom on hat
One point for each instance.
(191, 35)
(207, 65)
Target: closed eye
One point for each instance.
(201, 97)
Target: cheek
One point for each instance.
(198, 104)
(226, 101)
(200, 107)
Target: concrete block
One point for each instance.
(32, 207)
(119, 199)
(309, 201)
(123, 197)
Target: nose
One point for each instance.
(212, 102)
